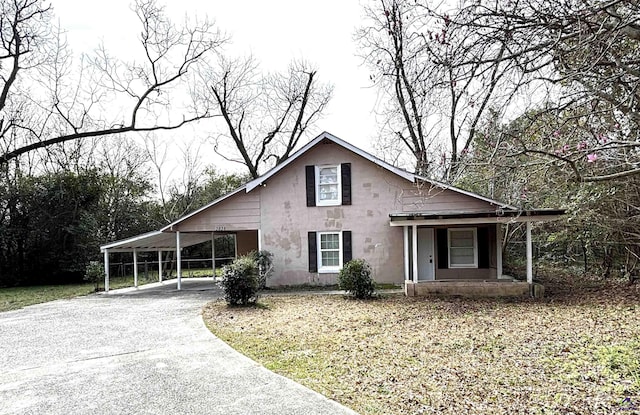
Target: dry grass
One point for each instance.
(574, 352)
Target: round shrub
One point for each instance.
(241, 282)
(355, 279)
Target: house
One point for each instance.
(331, 202)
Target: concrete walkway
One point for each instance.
(144, 351)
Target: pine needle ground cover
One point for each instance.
(573, 352)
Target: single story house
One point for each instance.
(331, 202)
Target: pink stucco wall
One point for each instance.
(279, 210)
(376, 192)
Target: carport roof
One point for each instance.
(156, 241)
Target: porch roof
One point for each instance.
(474, 217)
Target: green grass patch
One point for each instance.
(17, 297)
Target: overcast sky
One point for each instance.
(274, 32)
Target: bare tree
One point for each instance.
(433, 103)
(45, 100)
(265, 115)
(586, 54)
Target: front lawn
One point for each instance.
(575, 352)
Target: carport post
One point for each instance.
(498, 250)
(160, 266)
(106, 270)
(414, 242)
(529, 255)
(178, 260)
(135, 268)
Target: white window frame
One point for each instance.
(475, 247)
(336, 202)
(329, 269)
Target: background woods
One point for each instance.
(535, 103)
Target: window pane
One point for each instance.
(330, 241)
(330, 259)
(462, 256)
(328, 192)
(462, 239)
(328, 175)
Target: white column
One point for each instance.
(529, 255)
(179, 260)
(159, 266)
(498, 250)
(259, 240)
(406, 251)
(135, 268)
(106, 271)
(414, 235)
(213, 254)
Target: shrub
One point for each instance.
(241, 281)
(264, 262)
(355, 279)
(94, 272)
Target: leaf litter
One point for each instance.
(574, 352)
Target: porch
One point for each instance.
(460, 253)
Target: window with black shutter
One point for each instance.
(328, 185)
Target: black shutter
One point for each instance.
(345, 172)
(483, 247)
(347, 252)
(313, 252)
(443, 248)
(311, 185)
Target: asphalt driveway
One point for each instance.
(140, 352)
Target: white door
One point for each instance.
(426, 263)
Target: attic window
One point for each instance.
(328, 185)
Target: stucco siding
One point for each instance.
(238, 212)
(286, 219)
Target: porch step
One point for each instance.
(495, 288)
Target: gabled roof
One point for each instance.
(412, 177)
(325, 135)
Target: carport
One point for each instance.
(236, 213)
(157, 241)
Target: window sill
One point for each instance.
(328, 203)
(333, 270)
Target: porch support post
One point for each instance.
(160, 266)
(529, 255)
(135, 268)
(213, 254)
(106, 270)
(259, 240)
(498, 250)
(414, 237)
(406, 252)
(178, 260)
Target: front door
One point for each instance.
(426, 265)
